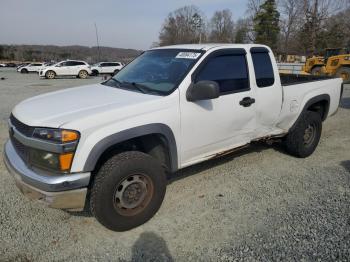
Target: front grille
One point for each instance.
(21, 149)
(21, 127)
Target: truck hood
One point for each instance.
(60, 107)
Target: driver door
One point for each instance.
(210, 127)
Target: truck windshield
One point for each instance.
(156, 71)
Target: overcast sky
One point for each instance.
(126, 24)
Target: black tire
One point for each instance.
(115, 72)
(108, 183)
(316, 71)
(95, 73)
(344, 73)
(24, 71)
(303, 139)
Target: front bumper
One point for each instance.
(63, 191)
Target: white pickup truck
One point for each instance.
(110, 145)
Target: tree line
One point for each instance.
(57, 53)
(303, 27)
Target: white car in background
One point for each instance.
(76, 68)
(106, 68)
(33, 67)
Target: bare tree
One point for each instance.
(241, 31)
(291, 19)
(222, 27)
(316, 12)
(182, 26)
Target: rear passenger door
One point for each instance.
(104, 68)
(213, 126)
(268, 91)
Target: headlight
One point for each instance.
(56, 135)
(51, 161)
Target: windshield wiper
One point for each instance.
(142, 88)
(115, 80)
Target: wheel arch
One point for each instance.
(147, 136)
(319, 104)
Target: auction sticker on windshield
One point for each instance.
(188, 55)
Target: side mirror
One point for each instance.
(203, 90)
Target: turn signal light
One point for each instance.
(66, 161)
(68, 136)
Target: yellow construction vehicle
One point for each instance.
(336, 62)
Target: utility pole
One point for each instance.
(98, 44)
(197, 23)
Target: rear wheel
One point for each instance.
(50, 74)
(115, 72)
(83, 74)
(128, 190)
(316, 71)
(303, 139)
(344, 73)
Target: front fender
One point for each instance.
(157, 128)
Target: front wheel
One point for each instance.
(24, 71)
(95, 72)
(128, 190)
(303, 139)
(50, 74)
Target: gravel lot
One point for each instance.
(260, 204)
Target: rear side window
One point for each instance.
(263, 67)
(229, 71)
(70, 63)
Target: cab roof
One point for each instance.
(207, 46)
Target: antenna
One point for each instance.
(98, 44)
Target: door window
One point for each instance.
(229, 71)
(263, 67)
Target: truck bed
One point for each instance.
(292, 79)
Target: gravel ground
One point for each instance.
(260, 204)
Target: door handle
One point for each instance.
(247, 101)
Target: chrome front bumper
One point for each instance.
(63, 191)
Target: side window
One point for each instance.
(103, 64)
(263, 67)
(70, 63)
(229, 71)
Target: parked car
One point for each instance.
(30, 68)
(170, 108)
(2, 65)
(106, 68)
(77, 68)
(11, 65)
(21, 65)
